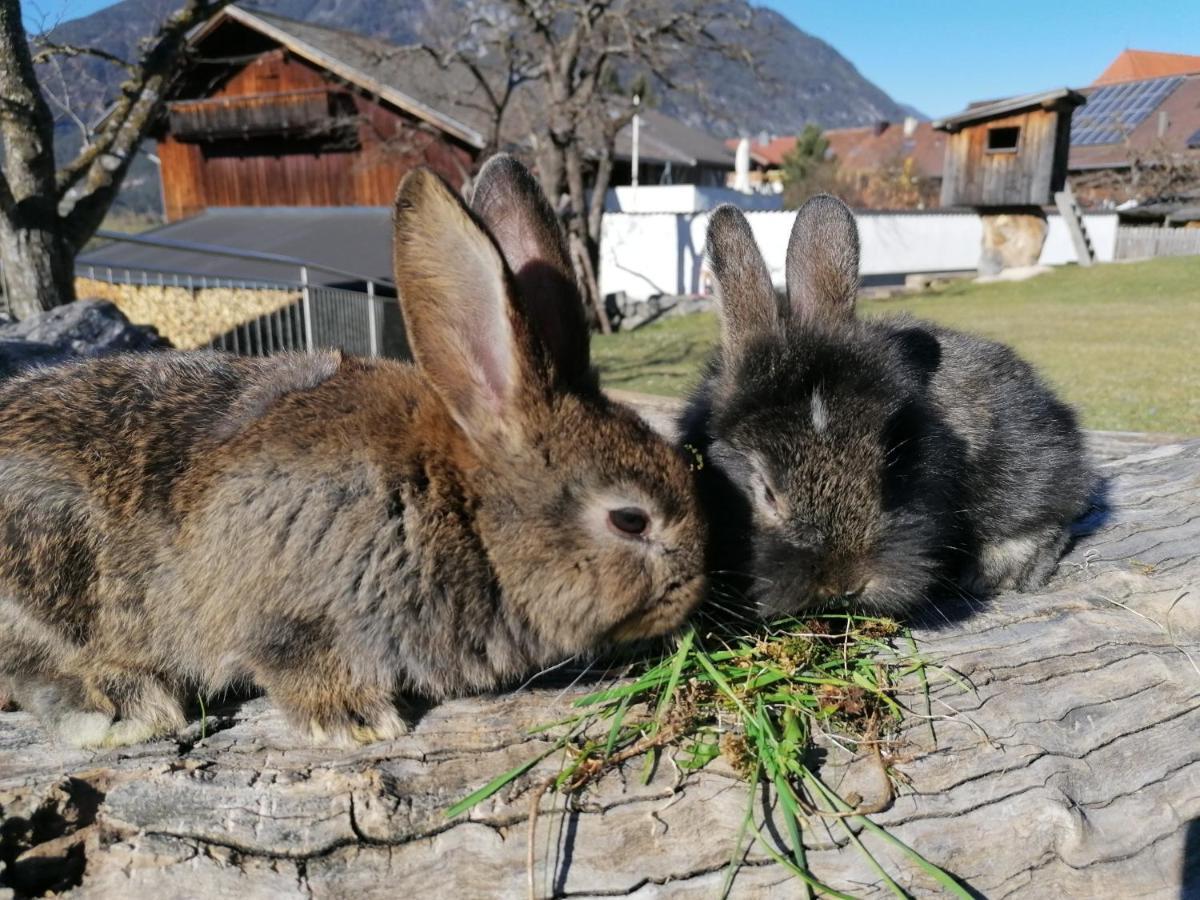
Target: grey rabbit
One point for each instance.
(346, 534)
(879, 462)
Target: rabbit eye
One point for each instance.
(629, 521)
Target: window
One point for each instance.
(1003, 140)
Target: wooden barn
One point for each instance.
(1009, 153)
(276, 112)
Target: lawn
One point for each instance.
(1120, 341)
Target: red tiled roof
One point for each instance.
(769, 154)
(1135, 65)
(867, 149)
(864, 148)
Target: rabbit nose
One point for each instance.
(840, 591)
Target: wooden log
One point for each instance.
(1070, 768)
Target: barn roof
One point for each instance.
(994, 109)
(408, 78)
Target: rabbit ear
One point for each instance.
(748, 304)
(511, 203)
(822, 261)
(457, 302)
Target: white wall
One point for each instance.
(684, 198)
(644, 255)
(1101, 228)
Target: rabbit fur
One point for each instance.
(871, 463)
(346, 534)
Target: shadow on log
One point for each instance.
(1070, 769)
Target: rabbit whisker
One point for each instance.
(536, 675)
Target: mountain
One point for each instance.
(792, 78)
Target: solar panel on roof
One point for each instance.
(1111, 112)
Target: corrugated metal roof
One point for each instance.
(350, 238)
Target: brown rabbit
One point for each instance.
(342, 532)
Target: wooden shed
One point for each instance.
(1008, 153)
(277, 112)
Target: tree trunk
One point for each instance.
(36, 257)
(38, 266)
(578, 226)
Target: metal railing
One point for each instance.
(319, 316)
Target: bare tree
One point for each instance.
(48, 212)
(486, 43)
(1154, 173)
(559, 77)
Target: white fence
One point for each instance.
(1134, 242)
(645, 255)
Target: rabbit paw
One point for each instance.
(384, 726)
(84, 729)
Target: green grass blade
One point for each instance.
(747, 820)
(614, 731)
(804, 875)
(924, 679)
(941, 876)
(500, 781)
(721, 682)
(681, 656)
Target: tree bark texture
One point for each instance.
(1066, 764)
(47, 215)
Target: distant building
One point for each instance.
(276, 112)
(1142, 112)
(1136, 139)
(1138, 65)
(670, 152)
(1008, 153)
(861, 152)
(1134, 144)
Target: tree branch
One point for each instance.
(86, 186)
(48, 50)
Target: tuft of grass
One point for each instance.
(1118, 341)
(758, 701)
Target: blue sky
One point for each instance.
(941, 54)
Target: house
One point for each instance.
(670, 153)
(1137, 140)
(861, 153)
(767, 154)
(912, 148)
(1134, 144)
(277, 112)
(1008, 153)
